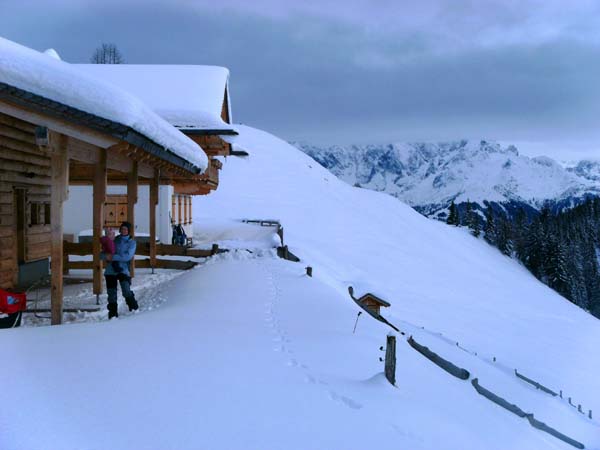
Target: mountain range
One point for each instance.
(429, 176)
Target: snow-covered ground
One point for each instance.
(80, 301)
(248, 352)
(234, 234)
(81, 304)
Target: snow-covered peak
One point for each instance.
(433, 174)
(588, 169)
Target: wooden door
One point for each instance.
(115, 210)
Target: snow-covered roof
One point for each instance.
(44, 76)
(189, 97)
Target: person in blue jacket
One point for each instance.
(124, 252)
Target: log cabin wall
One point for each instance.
(24, 199)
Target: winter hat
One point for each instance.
(126, 225)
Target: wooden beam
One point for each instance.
(177, 250)
(83, 172)
(82, 152)
(68, 310)
(193, 188)
(132, 198)
(153, 203)
(98, 218)
(58, 125)
(58, 194)
(142, 264)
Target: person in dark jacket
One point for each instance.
(118, 271)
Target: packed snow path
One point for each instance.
(269, 361)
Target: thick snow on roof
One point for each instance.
(53, 53)
(43, 75)
(186, 96)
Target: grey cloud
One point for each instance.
(304, 75)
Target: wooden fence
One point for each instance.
(142, 249)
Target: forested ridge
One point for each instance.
(560, 249)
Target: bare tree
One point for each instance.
(107, 54)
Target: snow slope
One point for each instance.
(248, 352)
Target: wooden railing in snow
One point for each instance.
(142, 249)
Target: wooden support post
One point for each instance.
(152, 209)
(390, 360)
(98, 219)
(132, 198)
(58, 194)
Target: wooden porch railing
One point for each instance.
(143, 249)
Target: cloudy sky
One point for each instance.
(357, 71)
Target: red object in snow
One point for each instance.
(11, 302)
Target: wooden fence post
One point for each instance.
(390, 359)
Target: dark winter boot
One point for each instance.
(112, 310)
(132, 303)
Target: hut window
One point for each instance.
(39, 213)
(34, 214)
(46, 213)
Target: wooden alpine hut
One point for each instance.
(193, 98)
(60, 126)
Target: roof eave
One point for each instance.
(205, 132)
(123, 132)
